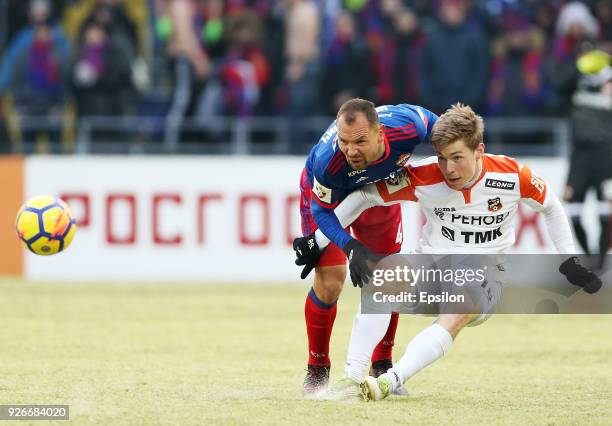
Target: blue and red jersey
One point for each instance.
(332, 178)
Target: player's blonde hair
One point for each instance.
(458, 122)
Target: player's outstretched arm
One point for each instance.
(559, 230)
(329, 225)
(557, 225)
(537, 195)
(534, 192)
(351, 208)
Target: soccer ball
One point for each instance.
(45, 225)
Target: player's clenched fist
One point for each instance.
(580, 276)
(358, 257)
(307, 253)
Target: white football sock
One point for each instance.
(426, 347)
(367, 331)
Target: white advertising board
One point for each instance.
(199, 218)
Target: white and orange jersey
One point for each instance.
(478, 219)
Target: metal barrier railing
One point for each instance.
(243, 136)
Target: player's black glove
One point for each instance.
(580, 276)
(358, 257)
(307, 253)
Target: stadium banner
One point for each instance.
(11, 188)
(196, 218)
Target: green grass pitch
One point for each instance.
(235, 354)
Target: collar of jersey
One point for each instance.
(387, 151)
(483, 170)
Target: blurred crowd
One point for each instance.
(178, 59)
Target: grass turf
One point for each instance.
(235, 354)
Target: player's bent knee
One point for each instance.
(328, 282)
(454, 323)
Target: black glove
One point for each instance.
(358, 256)
(580, 276)
(307, 253)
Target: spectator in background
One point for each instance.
(517, 84)
(395, 42)
(101, 75)
(33, 72)
(455, 60)
(377, 20)
(575, 31)
(409, 47)
(603, 13)
(422, 8)
(196, 29)
(245, 70)
(302, 67)
(121, 30)
(591, 158)
(544, 15)
(126, 20)
(18, 16)
(345, 65)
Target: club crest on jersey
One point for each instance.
(322, 192)
(403, 159)
(397, 181)
(494, 204)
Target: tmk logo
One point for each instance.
(448, 233)
(499, 184)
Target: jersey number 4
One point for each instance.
(399, 238)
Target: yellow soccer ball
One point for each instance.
(45, 225)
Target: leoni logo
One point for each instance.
(356, 172)
(499, 184)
